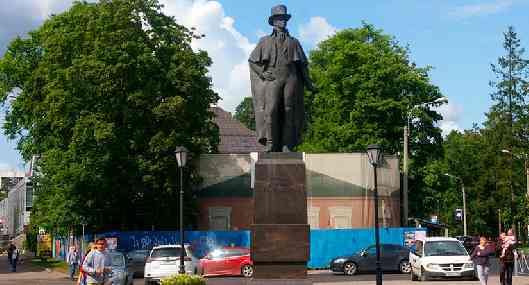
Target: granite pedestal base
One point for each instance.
(280, 233)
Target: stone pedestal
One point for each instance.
(280, 233)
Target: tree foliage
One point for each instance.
(244, 113)
(367, 86)
(103, 93)
(489, 160)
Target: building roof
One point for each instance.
(234, 136)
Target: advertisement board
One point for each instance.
(44, 246)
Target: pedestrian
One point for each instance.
(506, 263)
(481, 257)
(15, 255)
(82, 275)
(73, 261)
(97, 264)
(508, 240)
(10, 249)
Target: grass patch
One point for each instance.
(51, 264)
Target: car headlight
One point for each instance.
(433, 266)
(340, 260)
(468, 265)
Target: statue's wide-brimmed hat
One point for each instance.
(279, 11)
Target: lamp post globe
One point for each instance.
(181, 156)
(181, 159)
(374, 154)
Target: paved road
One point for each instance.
(31, 275)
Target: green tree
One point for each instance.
(367, 85)
(367, 89)
(104, 92)
(244, 113)
(509, 115)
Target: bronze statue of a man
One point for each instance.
(278, 73)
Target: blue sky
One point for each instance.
(459, 39)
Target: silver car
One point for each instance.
(121, 273)
(164, 261)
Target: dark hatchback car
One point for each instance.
(136, 260)
(393, 258)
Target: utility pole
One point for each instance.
(464, 209)
(405, 176)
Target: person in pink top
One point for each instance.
(507, 240)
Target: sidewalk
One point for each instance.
(26, 272)
(493, 280)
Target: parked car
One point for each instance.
(440, 257)
(121, 273)
(164, 260)
(137, 260)
(393, 258)
(227, 261)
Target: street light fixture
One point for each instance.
(436, 102)
(181, 159)
(464, 202)
(375, 156)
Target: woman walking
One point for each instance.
(506, 263)
(481, 257)
(82, 276)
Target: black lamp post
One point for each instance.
(374, 153)
(181, 158)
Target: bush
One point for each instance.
(183, 279)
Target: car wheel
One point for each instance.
(247, 271)
(404, 266)
(424, 277)
(350, 268)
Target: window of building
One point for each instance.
(341, 217)
(29, 196)
(219, 218)
(314, 217)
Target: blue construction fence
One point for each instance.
(324, 244)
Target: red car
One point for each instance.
(227, 261)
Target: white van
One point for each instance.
(440, 257)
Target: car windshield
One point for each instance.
(166, 252)
(138, 254)
(444, 248)
(117, 260)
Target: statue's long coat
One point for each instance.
(266, 54)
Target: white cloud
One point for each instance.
(316, 30)
(451, 114)
(226, 46)
(483, 9)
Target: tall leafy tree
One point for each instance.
(103, 93)
(510, 108)
(368, 88)
(244, 113)
(367, 85)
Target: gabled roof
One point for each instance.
(234, 136)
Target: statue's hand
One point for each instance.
(268, 76)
